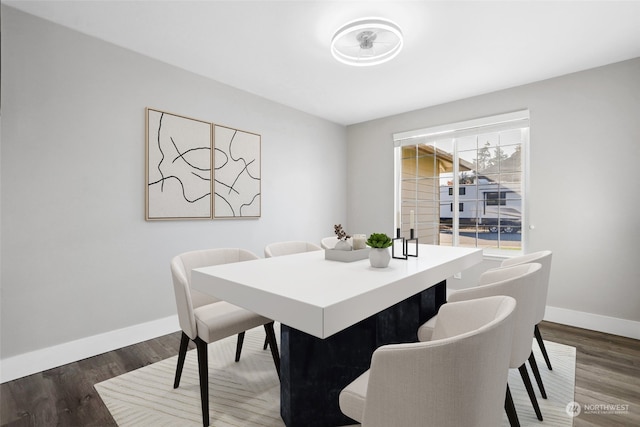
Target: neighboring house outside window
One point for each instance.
(477, 167)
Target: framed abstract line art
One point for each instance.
(237, 173)
(178, 167)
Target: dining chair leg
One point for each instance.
(239, 346)
(510, 409)
(266, 343)
(536, 374)
(536, 332)
(184, 343)
(527, 384)
(273, 344)
(203, 368)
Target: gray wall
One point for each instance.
(584, 198)
(78, 259)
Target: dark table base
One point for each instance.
(314, 370)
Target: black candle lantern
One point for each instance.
(398, 241)
(411, 245)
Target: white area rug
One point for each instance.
(247, 393)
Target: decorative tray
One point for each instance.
(346, 256)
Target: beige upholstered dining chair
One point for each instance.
(280, 249)
(519, 282)
(204, 319)
(544, 259)
(456, 379)
(288, 248)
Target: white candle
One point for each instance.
(398, 219)
(411, 220)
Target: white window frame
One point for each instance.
(500, 122)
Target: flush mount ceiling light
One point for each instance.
(369, 41)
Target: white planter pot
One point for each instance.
(379, 258)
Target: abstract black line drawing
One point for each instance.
(178, 167)
(237, 174)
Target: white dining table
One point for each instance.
(329, 310)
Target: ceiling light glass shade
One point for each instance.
(368, 41)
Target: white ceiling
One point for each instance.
(280, 49)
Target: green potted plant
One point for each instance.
(379, 256)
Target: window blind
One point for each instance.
(514, 120)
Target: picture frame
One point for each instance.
(237, 174)
(178, 167)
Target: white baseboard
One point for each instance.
(40, 360)
(594, 322)
(52, 357)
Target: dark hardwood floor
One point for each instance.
(607, 372)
